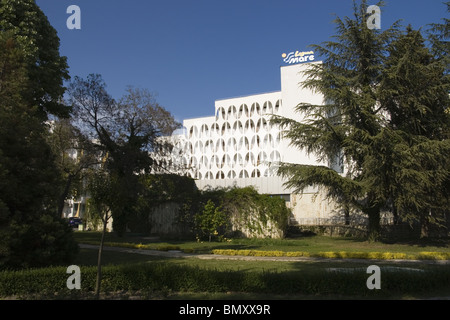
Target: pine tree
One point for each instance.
(439, 35)
(414, 91)
(350, 120)
(385, 116)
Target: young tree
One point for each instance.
(211, 220)
(102, 198)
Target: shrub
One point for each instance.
(42, 242)
(165, 276)
(336, 255)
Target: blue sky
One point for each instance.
(193, 52)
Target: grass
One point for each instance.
(256, 269)
(87, 257)
(312, 245)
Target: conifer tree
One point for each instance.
(439, 35)
(414, 92)
(385, 116)
(346, 125)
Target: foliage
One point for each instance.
(257, 214)
(38, 41)
(235, 212)
(337, 254)
(32, 233)
(127, 132)
(149, 277)
(42, 241)
(385, 115)
(159, 189)
(74, 155)
(439, 35)
(414, 92)
(212, 220)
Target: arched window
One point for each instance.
(277, 106)
(220, 175)
(238, 128)
(243, 111)
(226, 129)
(220, 145)
(221, 114)
(256, 173)
(193, 132)
(243, 143)
(231, 112)
(243, 174)
(255, 110)
(204, 131)
(267, 108)
(249, 126)
(231, 174)
(249, 159)
(231, 145)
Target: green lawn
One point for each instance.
(200, 277)
(313, 244)
(88, 257)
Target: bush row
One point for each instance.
(425, 255)
(142, 246)
(340, 254)
(182, 278)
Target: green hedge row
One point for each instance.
(337, 254)
(181, 278)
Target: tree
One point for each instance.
(385, 118)
(46, 70)
(31, 77)
(439, 35)
(102, 198)
(74, 153)
(414, 91)
(32, 234)
(211, 220)
(347, 124)
(127, 132)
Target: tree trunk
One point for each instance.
(424, 226)
(374, 228)
(99, 259)
(347, 214)
(396, 219)
(63, 196)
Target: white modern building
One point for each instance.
(237, 146)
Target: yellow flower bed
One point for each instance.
(425, 255)
(336, 255)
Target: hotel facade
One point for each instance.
(238, 146)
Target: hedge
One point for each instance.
(337, 255)
(425, 255)
(150, 277)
